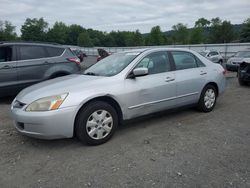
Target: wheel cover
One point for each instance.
(209, 98)
(99, 124)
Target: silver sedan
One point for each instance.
(120, 87)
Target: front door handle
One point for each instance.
(6, 67)
(169, 79)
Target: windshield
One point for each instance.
(243, 54)
(112, 64)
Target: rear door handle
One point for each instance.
(6, 67)
(203, 73)
(169, 79)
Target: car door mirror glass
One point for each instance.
(142, 71)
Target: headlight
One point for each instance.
(47, 103)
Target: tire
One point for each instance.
(58, 75)
(202, 105)
(90, 126)
(241, 82)
(221, 61)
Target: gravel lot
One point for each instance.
(185, 148)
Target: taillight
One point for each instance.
(74, 60)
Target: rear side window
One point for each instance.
(6, 53)
(32, 52)
(184, 60)
(199, 62)
(53, 51)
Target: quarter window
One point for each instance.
(157, 62)
(184, 60)
(32, 52)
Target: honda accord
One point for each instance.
(121, 86)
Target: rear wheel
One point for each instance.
(207, 99)
(241, 82)
(96, 123)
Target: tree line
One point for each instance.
(204, 31)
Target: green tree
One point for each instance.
(196, 36)
(7, 31)
(202, 22)
(245, 31)
(155, 36)
(84, 40)
(221, 31)
(138, 39)
(108, 41)
(181, 33)
(34, 29)
(58, 33)
(73, 34)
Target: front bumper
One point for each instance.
(232, 67)
(45, 125)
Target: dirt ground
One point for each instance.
(185, 148)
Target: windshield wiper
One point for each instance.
(91, 73)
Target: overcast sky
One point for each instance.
(108, 15)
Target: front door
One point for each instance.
(8, 73)
(153, 92)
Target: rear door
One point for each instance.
(8, 72)
(32, 63)
(190, 77)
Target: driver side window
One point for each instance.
(156, 62)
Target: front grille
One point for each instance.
(18, 104)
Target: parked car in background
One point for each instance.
(244, 72)
(213, 55)
(102, 54)
(23, 64)
(80, 54)
(121, 86)
(234, 62)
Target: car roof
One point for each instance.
(30, 43)
(140, 50)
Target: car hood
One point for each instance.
(65, 84)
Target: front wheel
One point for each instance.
(207, 99)
(96, 123)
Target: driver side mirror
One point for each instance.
(142, 71)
